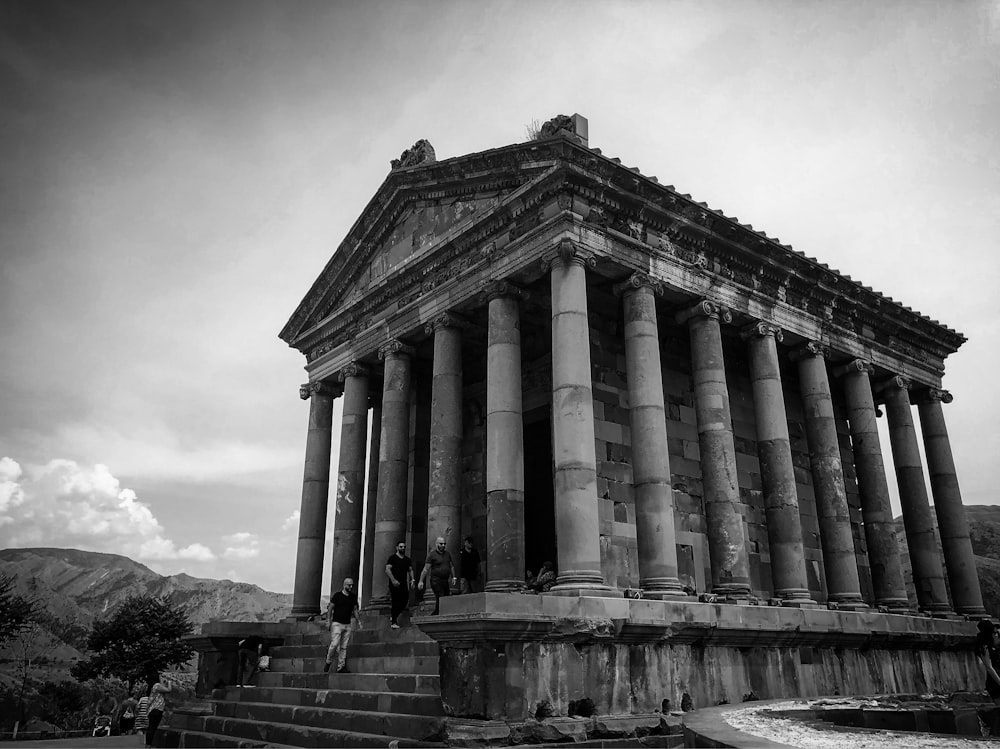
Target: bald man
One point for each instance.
(441, 570)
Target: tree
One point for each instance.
(142, 638)
(16, 612)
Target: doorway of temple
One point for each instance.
(539, 494)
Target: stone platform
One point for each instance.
(503, 655)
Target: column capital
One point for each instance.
(809, 350)
(354, 369)
(498, 289)
(853, 367)
(637, 281)
(898, 381)
(705, 308)
(394, 346)
(762, 329)
(320, 387)
(932, 395)
(566, 252)
(444, 320)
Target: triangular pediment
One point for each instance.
(410, 216)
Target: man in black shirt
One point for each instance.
(468, 561)
(343, 608)
(399, 570)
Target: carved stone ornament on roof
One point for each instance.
(354, 369)
(422, 152)
(598, 216)
(565, 200)
(317, 351)
(762, 329)
(444, 320)
(567, 252)
(557, 123)
(319, 387)
(705, 308)
(488, 249)
(394, 347)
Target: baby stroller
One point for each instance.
(102, 726)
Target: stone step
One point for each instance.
(170, 737)
(360, 650)
(383, 702)
(373, 665)
(298, 735)
(355, 721)
(361, 682)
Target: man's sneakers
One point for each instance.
(326, 668)
(343, 670)
(394, 626)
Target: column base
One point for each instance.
(580, 588)
(895, 605)
(974, 613)
(847, 605)
(799, 603)
(942, 614)
(795, 598)
(504, 586)
(737, 590)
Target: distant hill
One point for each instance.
(76, 587)
(984, 531)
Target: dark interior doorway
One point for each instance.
(539, 496)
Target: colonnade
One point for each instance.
(575, 464)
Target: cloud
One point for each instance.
(65, 504)
(291, 522)
(241, 545)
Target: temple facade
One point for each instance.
(570, 362)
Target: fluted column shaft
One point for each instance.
(577, 524)
(726, 535)
(654, 501)
(839, 560)
(349, 507)
(370, 566)
(315, 496)
(504, 444)
(953, 527)
(393, 465)
(444, 502)
(880, 529)
(928, 574)
(781, 501)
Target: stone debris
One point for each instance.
(759, 721)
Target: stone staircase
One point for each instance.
(391, 697)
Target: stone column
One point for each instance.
(726, 535)
(654, 500)
(880, 530)
(370, 565)
(393, 464)
(349, 507)
(953, 526)
(577, 525)
(928, 575)
(315, 495)
(504, 442)
(444, 502)
(843, 583)
(781, 500)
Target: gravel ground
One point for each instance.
(758, 722)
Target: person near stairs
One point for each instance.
(441, 571)
(343, 611)
(399, 570)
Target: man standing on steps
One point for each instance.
(442, 573)
(399, 570)
(343, 609)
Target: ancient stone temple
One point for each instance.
(570, 362)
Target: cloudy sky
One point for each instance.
(175, 174)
